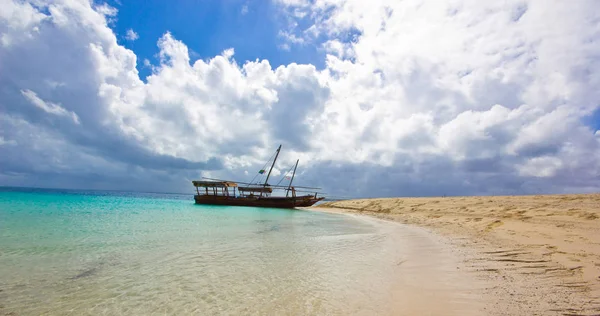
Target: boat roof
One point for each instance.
(255, 189)
(212, 184)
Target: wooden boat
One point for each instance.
(223, 192)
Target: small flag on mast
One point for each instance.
(261, 171)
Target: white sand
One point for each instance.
(537, 255)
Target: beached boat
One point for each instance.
(223, 192)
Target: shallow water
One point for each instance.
(114, 253)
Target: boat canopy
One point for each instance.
(214, 184)
(255, 189)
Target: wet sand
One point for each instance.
(535, 255)
(426, 277)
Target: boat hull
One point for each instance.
(274, 202)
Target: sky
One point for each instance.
(376, 98)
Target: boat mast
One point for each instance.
(293, 174)
(272, 165)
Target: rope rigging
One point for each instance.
(285, 175)
(263, 168)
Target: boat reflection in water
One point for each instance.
(234, 193)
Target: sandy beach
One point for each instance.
(538, 255)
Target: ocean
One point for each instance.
(66, 252)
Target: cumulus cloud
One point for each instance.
(75, 48)
(469, 82)
(131, 35)
(19, 21)
(416, 98)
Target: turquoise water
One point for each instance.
(80, 253)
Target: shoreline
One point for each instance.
(539, 255)
(425, 267)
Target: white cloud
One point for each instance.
(244, 10)
(49, 107)
(131, 35)
(291, 38)
(105, 9)
(421, 98)
(18, 21)
(339, 49)
(540, 167)
(4, 142)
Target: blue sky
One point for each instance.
(208, 28)
(593, 120)
(387, 98)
